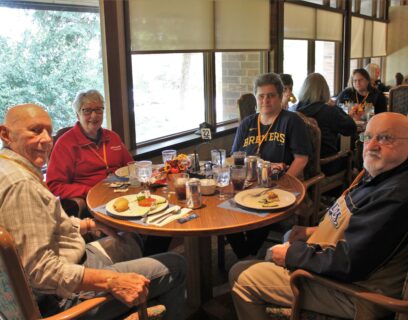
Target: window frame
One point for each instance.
(210, 113)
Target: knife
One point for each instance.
(166, 214)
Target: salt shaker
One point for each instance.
(251, 163)
(193, 193)
(264, 174)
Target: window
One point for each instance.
(168, 93)
(48, 56)
(366, 7)
(325, 61)
(295, 62)
(234, 73)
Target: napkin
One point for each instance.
(170, 218)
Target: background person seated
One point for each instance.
(288, 96)
(349, 244)
(374, 71)
(313, 97)
(361, 95)
(275, 135)
(50, 244)
(399, 79)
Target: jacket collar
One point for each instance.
(82, 138)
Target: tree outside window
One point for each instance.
(47, 57)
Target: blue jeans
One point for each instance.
(166, 271)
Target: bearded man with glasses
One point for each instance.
(362, 238)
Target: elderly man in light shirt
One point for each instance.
(54, 255)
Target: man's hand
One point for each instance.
(129, 288)
(99, 226)
(278, 254)
(301, 233)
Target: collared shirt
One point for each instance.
(47, 240)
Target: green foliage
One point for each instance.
(57, 56)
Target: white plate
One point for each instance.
(135, 210)
(122, 172)
(246, 199)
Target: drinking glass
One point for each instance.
(168, 155)
(144, 172)
(218, 156)
(133, 180)
(238, 176)
(239, 158)
(222, 175)
(180, 180)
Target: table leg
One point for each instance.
(199, 278)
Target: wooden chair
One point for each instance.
(342, 178)
(17, 299)
(246, 105)
(400, 306)
(398, 99)
(309, 213)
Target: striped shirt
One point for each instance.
(48, 241)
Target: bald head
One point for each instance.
(381, 156)
(27, 131)
(23, 112)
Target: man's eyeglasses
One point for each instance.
(88, 111)
(382, 139)
(269, 95)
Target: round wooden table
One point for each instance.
(197, 233)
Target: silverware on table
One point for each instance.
(263, 191)
(166, 214)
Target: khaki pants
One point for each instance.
(256, 284)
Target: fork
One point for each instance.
(165, 216)
(263, 192)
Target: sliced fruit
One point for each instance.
(146, 202)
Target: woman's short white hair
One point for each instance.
(373, 70)
(85, 96)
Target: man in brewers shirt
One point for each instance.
(362, 238)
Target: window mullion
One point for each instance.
(209, 88)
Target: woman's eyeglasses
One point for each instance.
(88, 111)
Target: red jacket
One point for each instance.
(77, 164)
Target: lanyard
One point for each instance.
(259, 139)
(355, 182)
(362, 102)
(104, 159)
(25, 167)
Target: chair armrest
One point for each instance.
(80, 309)
(338, 155)
(395, 305)
(314, 180)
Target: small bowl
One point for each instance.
(208, 186)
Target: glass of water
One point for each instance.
(168, 155)
(144, 172)
(218, 156)
(222, 176)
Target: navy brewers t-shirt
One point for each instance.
(288, 136)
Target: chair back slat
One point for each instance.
(246, 105)
(16, 298)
